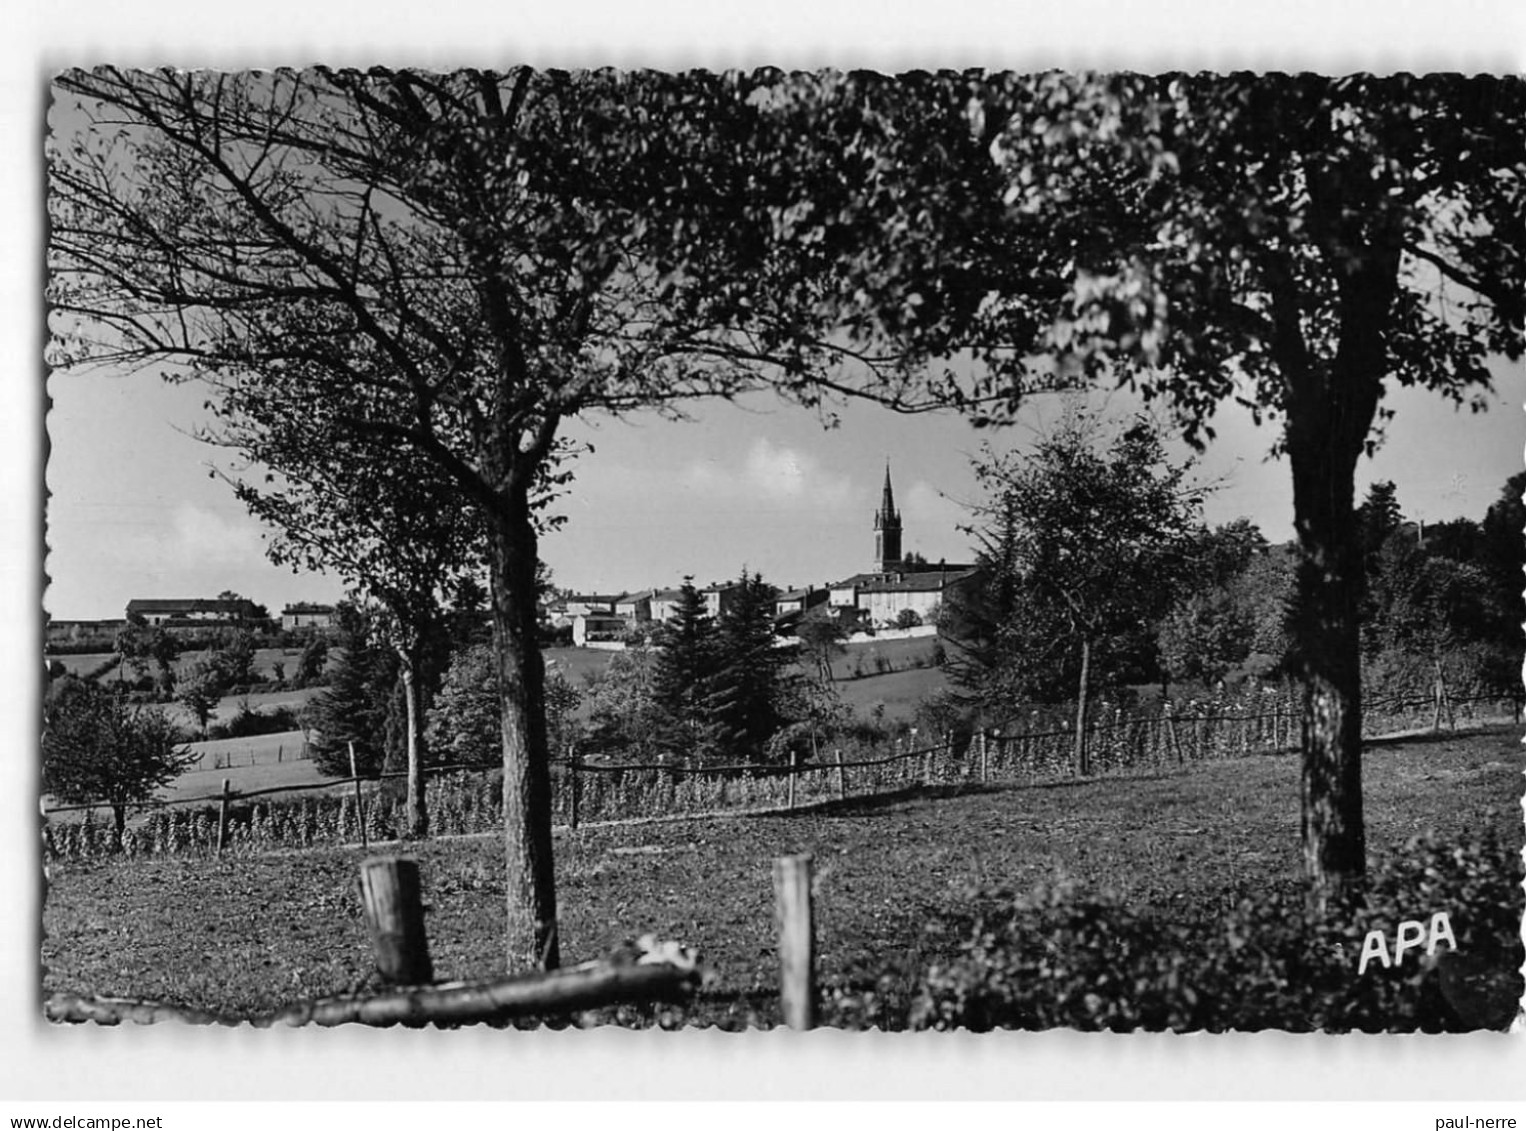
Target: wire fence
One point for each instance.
(466, 799)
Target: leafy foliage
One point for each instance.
(685, 663)
(1082, 543)
(97, 748)
(1233, 610)
(745, 701)
(1057, 958)
(200, 688)
(821, 633)
(141, 644)
(357, 705)
(465, 720)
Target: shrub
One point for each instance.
(248, 723)
(1060, 959)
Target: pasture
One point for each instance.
(895, 877)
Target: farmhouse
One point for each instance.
(306, 616)
(194, 613)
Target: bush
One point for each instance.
(1059, 959)
(248, 723)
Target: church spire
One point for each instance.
(887, 530)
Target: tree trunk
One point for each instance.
(417, 808)
(1083, 763)
(1326, 641)
(1330, 405)
(531, 936)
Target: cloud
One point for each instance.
(770, 473)
(210, 538)
(192, 537)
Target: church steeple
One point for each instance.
(887, 531)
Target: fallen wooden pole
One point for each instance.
(394, 904)
(797, 941)
(594, 985)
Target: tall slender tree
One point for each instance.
(684, 673)
(746, 686)
(382, 526)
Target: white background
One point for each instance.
(40, 1062)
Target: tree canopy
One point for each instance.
(1083, 540)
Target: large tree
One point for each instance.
(455, 265)
(1296, 243)
(1302, 243)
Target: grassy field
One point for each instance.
(264, 660)
(894, 877)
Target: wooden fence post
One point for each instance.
(792, 764)
(982, 757)
(389, 887)
(360, 804)
(842, 782)
(1176, 739)
(797, 941)
(222, 820)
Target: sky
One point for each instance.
(758, 485)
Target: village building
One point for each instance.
(884, 599)
(587, 604)
(593, 629)
(799, 600)
(635, 607)
(305, 616)
(665, 604)
(896, 585)
(719, 598)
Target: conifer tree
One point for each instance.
(749, 674)
(684, 668)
